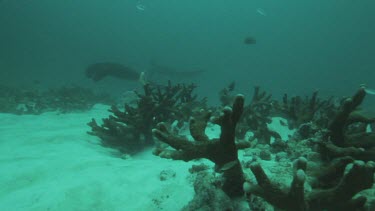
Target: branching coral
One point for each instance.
(334, 183)
(131, 130)
(337, 180)
(226, 95)
(360, 176)
(256, 116)
(300, 110)
(348, 135)
(222, 151)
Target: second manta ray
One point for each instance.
(99, 71)
(170, 72)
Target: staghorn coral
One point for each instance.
(300, 110)
(170, 102)
(130, 130)
(348, 135)
(226, 95)
(222, 151)
(256, 116)
(334, 181)
(360, 176)
(333, 184)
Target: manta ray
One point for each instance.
(170, 72)
(99, 71)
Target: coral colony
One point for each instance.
(330, 156)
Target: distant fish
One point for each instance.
(99, 71)
(250, 41)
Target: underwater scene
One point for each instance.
(215, 105)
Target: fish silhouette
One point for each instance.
(157, 70)
(99, 71)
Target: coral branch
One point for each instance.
(347, 132)
(360, 176)
(223, 152)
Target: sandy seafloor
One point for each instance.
(49, 162)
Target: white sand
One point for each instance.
(48, 162)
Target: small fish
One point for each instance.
(250, 41)
(261, 11)
(228, 166)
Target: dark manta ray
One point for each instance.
(99, 71)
